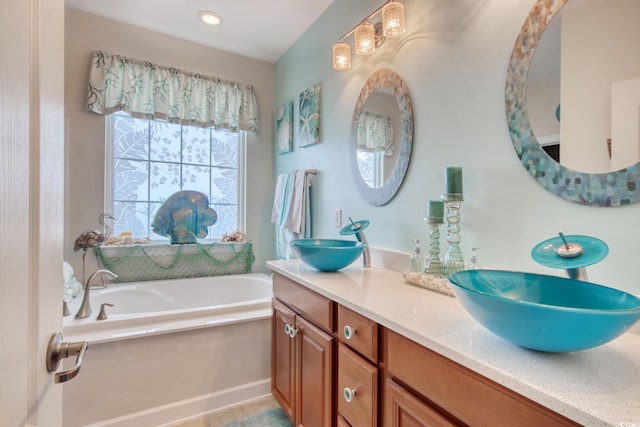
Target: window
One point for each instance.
(149, 160)
(371, 166)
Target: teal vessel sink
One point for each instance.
(327, 254)
(545, 313)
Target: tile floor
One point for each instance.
(230, 414)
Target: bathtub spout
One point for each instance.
(85, 307)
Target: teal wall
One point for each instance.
(453, 59)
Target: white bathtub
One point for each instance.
(170, 350)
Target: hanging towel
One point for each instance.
(283, 238)
(287, 198)
(306, 225)
(295, 214)
(278, 200)
(295, 217)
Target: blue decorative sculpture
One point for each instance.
(184, 217)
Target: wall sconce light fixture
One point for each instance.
(366, 37)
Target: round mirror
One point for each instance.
(573, 96)
(381, 137)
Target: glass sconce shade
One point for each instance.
(393, 19)
(341, 56)
(365, 39)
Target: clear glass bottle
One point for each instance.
(473, 263)
(416, 261)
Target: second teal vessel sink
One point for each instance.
(545, 313)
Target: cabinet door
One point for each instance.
(283, 358)
(357, 388)
(314, 373)
(341, 422)
(402, 409)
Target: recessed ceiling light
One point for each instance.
(210, 18)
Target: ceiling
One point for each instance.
(260, 29)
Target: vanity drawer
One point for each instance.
(357, 388)
(312, 306)
(358, 332)
(468, 396)
(402, 409)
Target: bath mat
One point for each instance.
(270, 418)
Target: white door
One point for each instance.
(31, 207)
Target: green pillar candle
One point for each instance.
(453, 180)
(436, 211)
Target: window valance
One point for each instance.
(375, 133)
(152, 91)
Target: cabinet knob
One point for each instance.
(349, 394)
(349, 332)
(290, 330)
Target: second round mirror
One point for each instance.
(381, 137)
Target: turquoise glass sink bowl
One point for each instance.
(327, 254)
(545, 313)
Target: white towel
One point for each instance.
(295, 213)
(295, 218)
(278, 200)
(71, 286)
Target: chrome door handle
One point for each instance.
(58, 350)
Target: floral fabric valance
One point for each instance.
(152, 91)
(375, 133)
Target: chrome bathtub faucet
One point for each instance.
(85, 307)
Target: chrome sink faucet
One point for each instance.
(357, 228)
(366, 255)
(85, 307)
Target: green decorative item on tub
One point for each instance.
(162, 261)
(184, 217)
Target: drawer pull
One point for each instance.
(349, 332)
(349, 394)
(293, 332)
(290, 330)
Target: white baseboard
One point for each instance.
(183, 410)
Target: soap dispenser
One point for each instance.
(473, 261)
(416, 261)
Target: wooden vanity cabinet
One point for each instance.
(391, 381)
(302, 354)
(403, 409)
(421, 378)
(358, 371)
(342, 422)
(283, 358)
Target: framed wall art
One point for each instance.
(309, 120)
(284, 128)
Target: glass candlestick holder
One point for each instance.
(434, 265)
(453, 259)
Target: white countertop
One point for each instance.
(595, 387)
